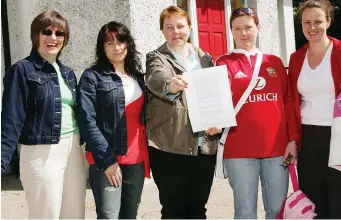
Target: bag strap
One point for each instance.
(220, 170)
(245, 95)
(293, 177)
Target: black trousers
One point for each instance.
(319, 182)
(184, 183)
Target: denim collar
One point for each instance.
(39, 62)
(108, 69)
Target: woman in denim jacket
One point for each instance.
(112, 100)
(38, 112)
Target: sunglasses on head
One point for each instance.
(49, 32)
(244, 10)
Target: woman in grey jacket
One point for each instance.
(182, 162)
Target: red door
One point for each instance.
(211, 25)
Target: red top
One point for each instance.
(262, 125)
(295, 67)
(137, 143)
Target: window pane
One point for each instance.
(182, 4)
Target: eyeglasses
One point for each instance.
(244, 10)
(49, 32)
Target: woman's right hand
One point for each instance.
(113, 174)
(177, 84)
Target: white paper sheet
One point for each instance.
(209, 98)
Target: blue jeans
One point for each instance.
(243, 175)
(117, 202)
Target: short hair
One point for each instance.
(43, 21)
(172, 10)
(325, 5)
(240, 13)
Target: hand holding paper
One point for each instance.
(209, 99)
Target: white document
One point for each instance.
(209, 98)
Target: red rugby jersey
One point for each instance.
(262, 126)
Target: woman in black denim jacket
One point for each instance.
(38, 112)
(112, 100)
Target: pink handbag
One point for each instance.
(297, 205)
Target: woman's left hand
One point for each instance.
(213, 131)
(291, 149)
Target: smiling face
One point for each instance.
(245, 32)
(315, 24)
(176, 31)
(51, 42)
(115, 50)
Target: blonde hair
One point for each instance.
(172, 10)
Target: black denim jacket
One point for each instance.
(102, 117)
(31, 104)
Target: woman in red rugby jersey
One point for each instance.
(263, 138)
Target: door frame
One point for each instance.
(192, 11)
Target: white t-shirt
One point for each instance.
(132, 90)
(316, 87)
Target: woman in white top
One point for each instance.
(315, 72)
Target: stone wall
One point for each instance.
(85, 18)
(269, 27)
(277, 34)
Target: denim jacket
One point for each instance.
(31, 104)
(101, 111)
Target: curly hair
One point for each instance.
(132, 62)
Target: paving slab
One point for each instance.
(219, 206)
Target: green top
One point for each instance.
(69, 123)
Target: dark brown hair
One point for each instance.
(239, 13)
(325, 5)
(172, 10)
(132, 62)
(43, 21)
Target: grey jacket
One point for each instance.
(168, 124)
